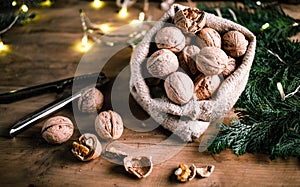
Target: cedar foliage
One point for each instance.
(266, 123)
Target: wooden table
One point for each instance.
(43, 51)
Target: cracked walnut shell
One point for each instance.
(140, 166)
(190, 19)
(109, 125)
(87, 148)
(205, 171)
(170, 38)
(211, 60)
(235, 43)
(57, 130)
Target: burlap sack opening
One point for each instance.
(190, 121)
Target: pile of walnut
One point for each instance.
(192, 58)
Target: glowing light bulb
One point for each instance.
(14, 3)
(105, 27)
(141, 16)
(258, 3)
(46, 3)
(24, 8)
(97, 4)
(84, 41)
(3, 47)
(265, 26)
(280, 89)
(123, 12)
(84, 45)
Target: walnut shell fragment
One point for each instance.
(205, 171)
(87, 148)
(185, 173)
(140, 166)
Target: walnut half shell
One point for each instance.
(140, 166)
(205, 171)
(87, 148)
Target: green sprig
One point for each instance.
(266, 123)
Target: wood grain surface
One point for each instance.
(43, 51)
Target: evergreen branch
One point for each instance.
(266, 123)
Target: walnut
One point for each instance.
(190, 19)
(208, 37)
(162, 62)
(230, 67)
(170, 38)
(179, 87)
(205, 86)
(57, 130)
(235, 43)
(87, 148)
(109, 125)
(211, 60)
(187, 60)
(91, 100)
(140, 166)
(205, 171)
(185, 173)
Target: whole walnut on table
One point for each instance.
(57, 130)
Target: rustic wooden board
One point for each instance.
(42, 51)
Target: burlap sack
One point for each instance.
(190, 121)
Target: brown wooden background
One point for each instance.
(42, 51)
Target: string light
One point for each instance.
(141, 16)
(14, 3)
(84, 45)
(265, 26)
(258, 3)
(3, 47)
(105, 27)
(97, 4)
(46, 3)
(282, 94)
(24, 8)
(123, 12)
